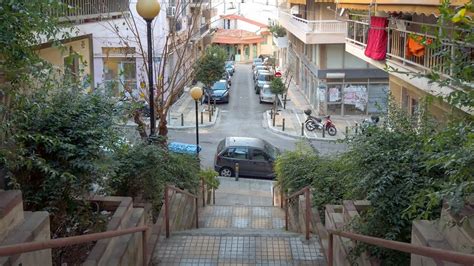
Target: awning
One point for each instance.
(406, 6)
(427, 10)
(297, 2)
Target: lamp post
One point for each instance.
(148, 10)
(196, 94)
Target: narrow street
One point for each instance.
(241, 117)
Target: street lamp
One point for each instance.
(196, 94)
(148, 10)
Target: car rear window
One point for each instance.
(219, 86)
(265, 77)
(220, 146)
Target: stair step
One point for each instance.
(237, 232)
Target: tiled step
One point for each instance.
(207, 247)
(242, 217)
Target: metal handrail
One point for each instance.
(307, 194)
(436, 253)
(74, 240)
(167, 217)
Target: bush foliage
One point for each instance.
(405, 168)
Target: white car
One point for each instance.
(266, 95)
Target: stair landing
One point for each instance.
(243, 230)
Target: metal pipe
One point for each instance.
(167, 218)
(302, 129)
(203, 193)
(330, 251)
(151, 90)
(435, 253)
(202, 118)
(197, 212)
(287, 202)
(214, 196)
(283, 125)
(182, 119)
(197, 129)
(65, 241)
(307, 196)
(144, 247)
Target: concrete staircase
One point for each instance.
(19, 226)
(231, 234)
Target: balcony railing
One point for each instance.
(204, 28)
(77, 10)
(439, 58)
(311, 31)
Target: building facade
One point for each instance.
(119, 44)
(334, 81)
(408, 29)
(243, 38)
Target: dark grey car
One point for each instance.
(254, 156)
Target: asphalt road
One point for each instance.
(241, 117)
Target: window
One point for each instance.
(237, 153)
(258, 155)
(120, 74)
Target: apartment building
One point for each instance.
(118, 40)
(396, 36)
(334, 81)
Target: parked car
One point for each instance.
(218, 92)
(230, 67)
(255, 157)
(266, 94)
(257, 69)
(264, 77)
(256, 61)
(226, 76)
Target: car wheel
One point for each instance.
(226, 172)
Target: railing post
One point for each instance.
(307, 196)
(203, 193)
(214, 196)
(287, 202)
(144, 246)
(330, 249)
(167, 218)
(197, 211)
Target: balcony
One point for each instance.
(82, 11)
(436, 59)
(281, 42)
(203, 4)
(314, 31)
(200, 32)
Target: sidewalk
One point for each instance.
(294, 118)
(182, 114)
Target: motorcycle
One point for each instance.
(372, 121)
(313, 123)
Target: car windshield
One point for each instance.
(265, 78)
(219, 86)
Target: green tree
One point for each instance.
(210, 67)
(23, 25)
(278, 88)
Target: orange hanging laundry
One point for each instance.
(415, 46)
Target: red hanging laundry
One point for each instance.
(377, 38)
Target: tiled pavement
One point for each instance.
(244, 230)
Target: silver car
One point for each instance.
(264, 77)
(266, 94)
(254, 156)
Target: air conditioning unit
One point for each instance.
(171, 11)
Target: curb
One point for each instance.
(266, 116)
(213, 123)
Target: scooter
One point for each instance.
(313, 123)
(372, 121)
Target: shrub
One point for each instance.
(144, 170)
(277, 31)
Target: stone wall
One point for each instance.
(18, 226)
(450, 232)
